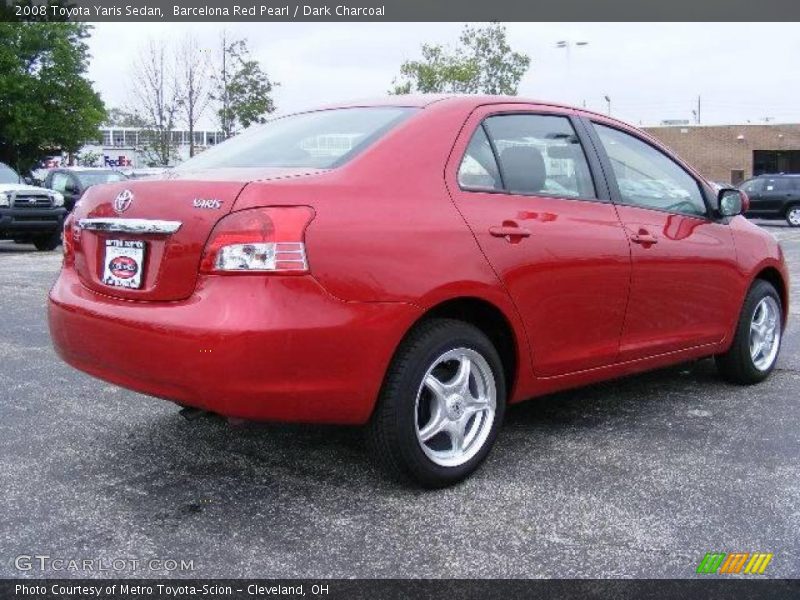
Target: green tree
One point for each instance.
(46, 100)
(482, 63)
(242, 89)
(87, 158)
(119, 117)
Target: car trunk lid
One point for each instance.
(148, 235)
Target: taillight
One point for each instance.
(68, 240)
(259, 240)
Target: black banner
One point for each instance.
(416, 589)
(400, 10)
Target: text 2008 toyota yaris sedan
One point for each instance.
(415, 264)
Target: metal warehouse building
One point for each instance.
(733, 153)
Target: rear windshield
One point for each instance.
(323, 139)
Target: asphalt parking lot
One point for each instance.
(634, 478)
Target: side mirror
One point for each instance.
(732, 202)
(27, 180)
(71, 188)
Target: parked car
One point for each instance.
(404, 265)
(29, 214)
(73, 182)
(774, 197)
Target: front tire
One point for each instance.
(441, 405)
(793, 215)
(756, 344)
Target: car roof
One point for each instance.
(453, 100)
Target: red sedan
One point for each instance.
(415, 264)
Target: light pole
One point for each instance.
(567, 45)
(608, 102)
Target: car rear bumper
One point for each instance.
(253, 347)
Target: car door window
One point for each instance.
(59, 182)
(649, 178)
(541, 155)
(478, 170)
(753, 186)
(776, 184)
(75, 184)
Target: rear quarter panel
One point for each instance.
(385, 228)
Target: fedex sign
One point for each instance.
(120, 161)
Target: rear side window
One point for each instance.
(324, 139)
(478, 169)
(649, 178)
(776, 184)
(541, 155)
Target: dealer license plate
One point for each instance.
(123, 263)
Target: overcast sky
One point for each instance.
(651, 72)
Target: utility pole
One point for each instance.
(608, 102)
(698, 110)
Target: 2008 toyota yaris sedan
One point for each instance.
(415, 265)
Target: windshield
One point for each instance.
(8, 175)
(323, 140)
(88, 178)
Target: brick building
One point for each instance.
(732, 153)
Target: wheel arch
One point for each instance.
(492, 322)
(774, 277)
(498, 326)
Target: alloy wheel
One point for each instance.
(765, 333)
(455, 407)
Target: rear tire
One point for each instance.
(793, 215)
(441, 405)
(47, 243)
(756, 343)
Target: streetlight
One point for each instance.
(608, 101)
(566, 45)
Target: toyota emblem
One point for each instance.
(123, 201)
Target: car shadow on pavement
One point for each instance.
(615, 397)
(7, 247)
(185, 466)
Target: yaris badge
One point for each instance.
(123, 201)
(210, 203)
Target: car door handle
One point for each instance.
(509, 231)
(644, 237)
